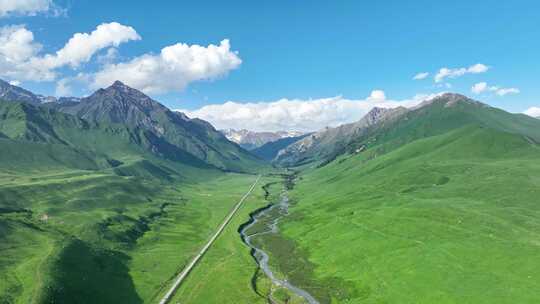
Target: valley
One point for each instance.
(269, 152)
(105, 209)
(116, 199)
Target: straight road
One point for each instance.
(181, 277)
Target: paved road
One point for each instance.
(182, 276)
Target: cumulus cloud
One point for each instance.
(505, 91)
(17, 48)
(296, 114)
(421, 76)
(20, 58)
(457, 72)
(479, 87)
(482, 87)
(82, 46)
(377, 95)
(533, 111)
(172, 69)
(25, 7)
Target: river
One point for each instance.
(277, 211)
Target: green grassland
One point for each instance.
(227, 273)
(102, 212)
(80, 236)
(452, 218)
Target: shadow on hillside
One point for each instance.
(82, 274)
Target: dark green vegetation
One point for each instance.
(438, 205)
(271, 149)
(107, 203)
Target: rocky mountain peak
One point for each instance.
(252, 139)
(378, 114)
(11, 92)
(122, 87)
(449, 100)
(124, 96)
(118, 83)
(374, 114)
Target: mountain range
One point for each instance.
(398, 126)
(111, 124)
(251, 140)
(9, 92)
(105, 197)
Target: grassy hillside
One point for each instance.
(102, 211)
(160, 130)
(452, 218)
(393, 128)
(85, 236)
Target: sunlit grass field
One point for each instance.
(453, 218)
(80, 236)
(227, 272)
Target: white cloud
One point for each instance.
(533, 111)
(17, 43)
(481, 87)
(172, 69)
(505, 91)
(82, 46)
(421, 76)
(25, 7)
(457, 72)
(377, 95)
(63, 88)
(15, 83)
(478, 68)
(296, 114)
(17, 48)
(20, 59)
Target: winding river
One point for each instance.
(275, 212)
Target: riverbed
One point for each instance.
(276, 212)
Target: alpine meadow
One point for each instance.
(202, 152)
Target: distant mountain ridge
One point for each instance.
(250, 140)
(9, 92)
(270, 150)
(390, 128)
(331, 141)
(138, 122)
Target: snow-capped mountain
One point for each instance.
(10, 92)
(250, 139)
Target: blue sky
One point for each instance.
(302, 50)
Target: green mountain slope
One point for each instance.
(434, 205)
(161, 130)
(96, 209)
(331, 142)
(442, 114)
(440, 219)
(392, 128)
